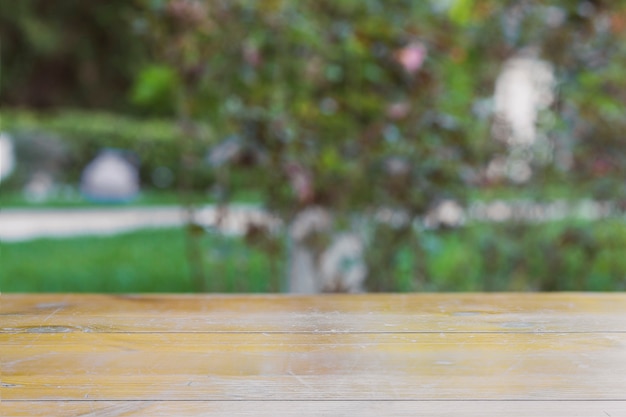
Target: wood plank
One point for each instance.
(281, 366)
(373, 354)
(315, 408)
(370, 313)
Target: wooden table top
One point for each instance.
(558, 354)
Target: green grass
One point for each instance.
(144, 261)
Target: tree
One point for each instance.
(370, 105)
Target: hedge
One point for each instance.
(80, 135)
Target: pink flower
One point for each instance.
(399, 110)
(412, 57)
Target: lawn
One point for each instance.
(144, 261)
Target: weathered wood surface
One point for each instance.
(318, 408)
(420, 354)
(371, 313)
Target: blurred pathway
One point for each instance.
(25, 224)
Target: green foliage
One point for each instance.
(460, 11)
(352, 105)
(155, 90)
(485, 257)
(561, 256)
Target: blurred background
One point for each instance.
(312, 146)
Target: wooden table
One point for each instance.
(354, 355)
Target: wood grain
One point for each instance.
(305, 367)
(315, 408)
(414, 354)
(369, 313)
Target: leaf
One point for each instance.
(330, 159)
(155, 88)
(461, 11)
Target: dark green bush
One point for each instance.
(71, 53)
(559, 256)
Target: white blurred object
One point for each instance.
(110, 177)
(7, 156)
(307, 232)
(525, 86)
(523, 89)
(23, 224)
(309, 222)
(321, 260)
(448, 213)
(342, 267)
